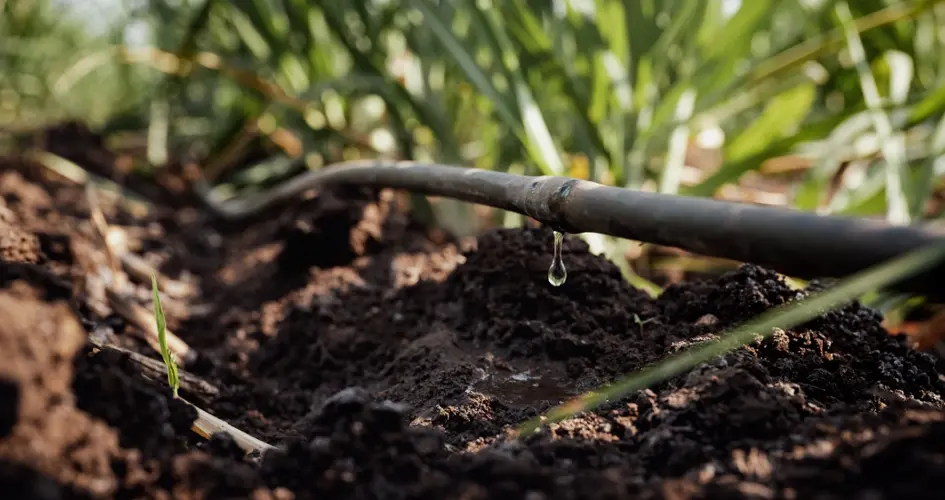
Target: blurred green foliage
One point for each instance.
(673, 95)
(38, 44)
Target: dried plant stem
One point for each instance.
(143, 319)
(141, 271)
(137, 315)
(118, 258)
(154, 369)
(100, 224)
(207, 425)
(71, 171)
(792, 242)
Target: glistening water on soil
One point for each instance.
(387, 362)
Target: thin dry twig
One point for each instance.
(71, 171)
(139, 270)
(206, 424)
(217, 165)
(100, 224)
(792, 242)
(201, 389)
(131, 264)
(137, 315)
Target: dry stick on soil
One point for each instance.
(100, 224)
(141, 272)
(135, 314)
(206, 424)
(795, 243)
(154, 369)
(131, 264)
(72, 172)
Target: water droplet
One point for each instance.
(557, 274)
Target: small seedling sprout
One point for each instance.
(206, 424)
(640, 322)
(166, 353)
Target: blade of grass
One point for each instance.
(788, 61)
(731, 170)
(717, 66)
(780, 118)
(536, 129)
(892, 144)
(813, 192)
(528, 124)
(467, 63)
(370, 63)
(546, 51)
(140, 317)
(925, 177)
(161, 323)
(678, 145)
(206, 424)
(784, 317)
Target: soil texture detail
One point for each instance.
(386, 361)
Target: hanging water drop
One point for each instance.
(557, 273)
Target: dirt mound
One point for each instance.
(505, 280)
(16, 245)
(464, 353)
(48, 434)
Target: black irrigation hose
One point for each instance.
(792, 242)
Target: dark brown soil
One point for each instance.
(386, 363)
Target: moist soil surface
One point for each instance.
(386, 361)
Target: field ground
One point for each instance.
(387, 362)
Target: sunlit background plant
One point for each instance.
(822, 105)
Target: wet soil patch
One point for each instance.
(386, 362)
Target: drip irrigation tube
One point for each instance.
(795, 243)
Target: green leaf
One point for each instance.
(865, 199)
(892, 142)
(730, 171)
(924, 182)
(466, 62)
(537, 139)
(780, 118)
(813, 191)
(169, 363)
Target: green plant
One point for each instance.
(41, 40)
(640, 322)
(606, 90)
(206, 424)
(166, 354)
